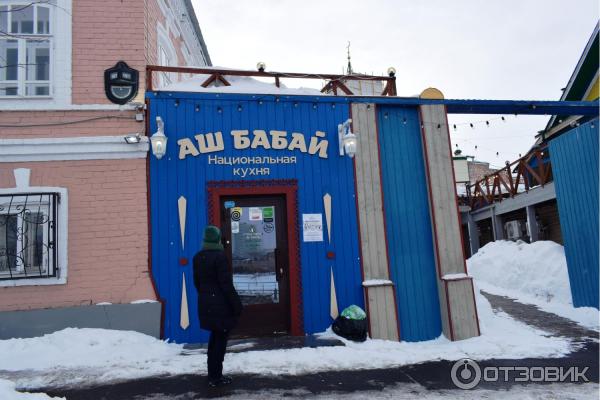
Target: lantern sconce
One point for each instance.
(158, 140)
(346, 139)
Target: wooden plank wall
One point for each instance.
(380, 300)
(459, 315)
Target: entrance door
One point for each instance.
(255, 235)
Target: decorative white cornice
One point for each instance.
(71, 148)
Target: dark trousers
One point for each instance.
(217, 345)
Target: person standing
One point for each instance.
(219, 305)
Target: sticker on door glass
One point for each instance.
(268, 227)
(267, 214)
(255, 214)
(235, 227)
(236, 213)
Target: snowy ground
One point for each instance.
(533, 273)
(8, 392)
(78, 357)
(414, 391)
(88, 356)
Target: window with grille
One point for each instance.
(26, 35)
(28, 233)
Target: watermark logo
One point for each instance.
(467, 374)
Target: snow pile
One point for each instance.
(239, 84)
(533, 273)
(539, 268)
(74, 348)
(8, 392)
(87, 356)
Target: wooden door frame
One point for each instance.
(289, 189)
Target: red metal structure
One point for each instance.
(335, 82)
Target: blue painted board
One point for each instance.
(408, 223)
(574, 157)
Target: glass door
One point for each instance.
(255, 233)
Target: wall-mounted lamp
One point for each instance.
(158, 140)
(133, 138)
(346, 139)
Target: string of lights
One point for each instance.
(453, 128)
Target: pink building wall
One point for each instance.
(105, 123)
(108, 215)
(105, 32)
(108, 234)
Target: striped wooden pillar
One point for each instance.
(379, 290)
(456, 293)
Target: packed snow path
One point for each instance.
(533, 316)
(423, 380)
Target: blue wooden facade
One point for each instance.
(411, 255)
(188, 114)
(574, 157)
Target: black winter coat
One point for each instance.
(219, 304)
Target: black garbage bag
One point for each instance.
(351, 329)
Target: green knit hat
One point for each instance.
(212, 238)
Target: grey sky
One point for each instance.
(509, 49)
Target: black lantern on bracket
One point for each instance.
(121, 83)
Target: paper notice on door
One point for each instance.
(312, 227)
(255, 214)
(235, 227)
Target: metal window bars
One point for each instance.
(28, 235)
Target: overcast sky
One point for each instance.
(469, 49)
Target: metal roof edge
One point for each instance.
(571, 80)
(454, 106)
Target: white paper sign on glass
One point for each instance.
(312, 227)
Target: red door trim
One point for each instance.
(288, 188)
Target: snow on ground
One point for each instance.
(530, 272)
(414, 391)
(87, 356)
(8, 392)
(533, 273)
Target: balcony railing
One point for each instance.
(521, 175)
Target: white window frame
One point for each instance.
(164, 44)
(61, 231)
(22, 39)
(60, 70)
